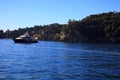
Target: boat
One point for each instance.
(26, 38)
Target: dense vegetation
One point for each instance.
(103, 27)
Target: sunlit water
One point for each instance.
(59, 61)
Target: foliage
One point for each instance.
(103, 27)
(2, 34)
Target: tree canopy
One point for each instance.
(104, 27)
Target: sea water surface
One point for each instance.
(59, 61)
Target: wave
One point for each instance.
(81, 50)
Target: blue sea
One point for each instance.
(49, 60)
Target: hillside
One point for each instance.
(104, 27)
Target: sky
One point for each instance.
(16, 14)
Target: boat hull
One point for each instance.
(24, 41)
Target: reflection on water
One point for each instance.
(59, 61)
